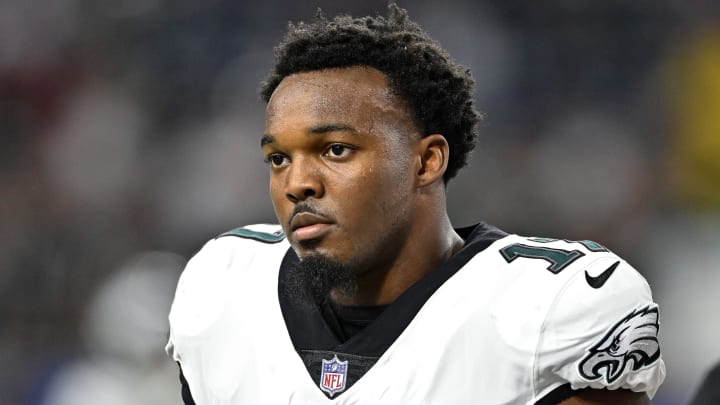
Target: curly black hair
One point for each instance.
(438, 90)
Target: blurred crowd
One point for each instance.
(130, 135)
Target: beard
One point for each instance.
(314, 277)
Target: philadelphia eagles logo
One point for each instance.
(632, 341)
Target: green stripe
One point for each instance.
(261, 236)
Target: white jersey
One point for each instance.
(509, 320)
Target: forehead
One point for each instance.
(359, 96)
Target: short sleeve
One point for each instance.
(601, 332)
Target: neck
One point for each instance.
(431, 243)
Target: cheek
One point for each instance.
(381, 192)
(396, 190)
(279, 201)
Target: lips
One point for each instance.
(306, 226)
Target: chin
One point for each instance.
(316, 275)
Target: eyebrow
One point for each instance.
(333, 128)
(266, 139)
(321, 129)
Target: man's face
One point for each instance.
(340, 149)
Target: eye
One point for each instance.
(337, 150)
(276, 160)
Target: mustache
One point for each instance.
(305, 207)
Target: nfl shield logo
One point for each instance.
(333, 375)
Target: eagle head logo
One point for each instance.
(631, 341)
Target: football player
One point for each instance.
(365, 293)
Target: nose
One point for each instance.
(304, 180)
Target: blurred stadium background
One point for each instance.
(130, 136)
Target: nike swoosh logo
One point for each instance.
(599, 281)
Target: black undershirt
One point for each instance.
(347, 320)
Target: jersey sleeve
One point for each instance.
(601, 331)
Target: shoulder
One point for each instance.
(599, 321)
(238, 245)
(583, 270)
(232, 250)
(558, 280)
(218, 271)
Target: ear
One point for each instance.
(433, 153)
